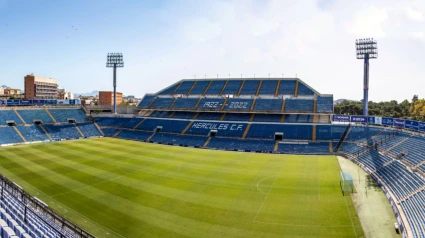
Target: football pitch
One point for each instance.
(121, 188)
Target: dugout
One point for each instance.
(212, 133)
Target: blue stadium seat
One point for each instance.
(35, 114)
(287, 87)
(325, 104)
(61, 115)
(183, 115)
(305, 148)
(232, 87)
(268, 87)
(215, 87)
(304, 90)
(184, 87)
(161, 103)
(237, 117)
(133, 122)
(238, 104)
(209, 116)
(241, 144)
(200, 87)
(185, 103)
(88, 129)
(227, 129)
(147, 99)
(33, 133)
(8, 135)
(267, 118)
(211, 103)
(62, 131)
(330, 132)
(184, 140)
(250, 87)
(298, 118)
(173, 126)
(111, 121)
(110, 131)
(134, 135)
(267, 131)
(9, 115)
(268, 104)
(300, 105)
(169, 90)
(160, 114)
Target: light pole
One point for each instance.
(115, 60)
(366, 49)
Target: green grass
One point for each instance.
(117, 188)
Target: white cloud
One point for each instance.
(413, 14)
(369, 22)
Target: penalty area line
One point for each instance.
(265, 198)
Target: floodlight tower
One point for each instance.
(366, 49)
(115, 60)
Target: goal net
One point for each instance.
(346, 183)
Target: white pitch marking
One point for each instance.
(349, 213)
(283, 224)
(262, 181)
(265, 198)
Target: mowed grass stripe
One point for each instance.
(173, 191)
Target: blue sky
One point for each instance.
(165, 41)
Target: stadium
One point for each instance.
(246, 157)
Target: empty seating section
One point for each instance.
(133, 122)
(185, 103)
(30, 115)
(399, 180)
(160, 114)
(110, 131)
(183, 115)
(184, 140)
(304, 90)
(237, 117)
(241, 144)
(147, 99)
(373, 159)
(232, 87)
(414, 208)
(250, 87)
(162, 103)
(215, 87)
(209, 116)
(169, 90)
(9, 115)
(267, 118)
(88, 129)
(268, 87)
(415, 147)
(62, 131)
(111, 121)
(287, 87)
(8, 135)
(184, 87)
(268, 104)
(298, 118)
(325, 104)
(363, 132)
(225, 129)
(210, 103)
(267, 131)
(134, 135)
(305, 148)
(301, 105)
(238, 104)
(173, 126)
(199, 87)
(33, 133)
(13, 224)
(62, 115)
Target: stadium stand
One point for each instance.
(29, 115)
(215, 87)
(241, 144)
(268, 104)
(185, 103)
(304, 148)
(174, 126)
(9, 115)
(9, 135)
(161, 114)
(268, 87)
(238, 104)
(287, 87)
(268, 131)
(211, 103)
(325, 104)
(267, 118)
(299, 105)
(34, 133)
(199, 87)
(62, 115)
(304, 90)
(62, 131)
(182, 140)
(184, 87)
(134, 135)
(183, 115)
(146, 101)
(111, 121)
(232, 87)
(250, 87)
(209, 116)
(89, 129)
(237, 117)
(162, 103)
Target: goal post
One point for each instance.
(346, 183)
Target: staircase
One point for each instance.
(315, 105)
(208, 141)
(190, 90)
(206, 89)
(22, 119)
(19, 133)
(296, 89)
(172, 114)
(405, 139)
(178, 86)
(246, 131)
(150, 137)
(47, 134)
(50, 115)
(253, 104)
(172, 104)
(150, 104)
(314, 133)
(259, 86)
(222, 117)
(138, 124)
(196, 106)
(276, 146)
(225, 84)
(98, 127)
(196, 115)
(252, 117)
(79, 131)
(343, 138)
(331, 148)
(283, 106)
(224, 104)
(187, 127)
(276, 92)
(118, 132)
(315, 119)
(283, 118)
(240, 89)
